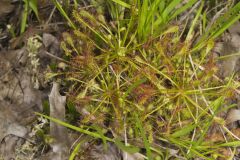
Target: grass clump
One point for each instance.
(152, 82)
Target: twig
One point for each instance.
(53, 56)
(51, 15)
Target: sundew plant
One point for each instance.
(145, 72)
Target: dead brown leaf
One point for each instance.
(5, 8)
(58, 132)
(233, 116)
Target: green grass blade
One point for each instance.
(206, 125)
(230, 144)
(153, 10)
(142, 20)
(95, 135)
(33, 6)
(183, 8)
(162, 6)
(190, 32)
(100, 132)
(181, 144)
(143, 134)
(124, 4)
(169, 9)
(221, 25)
(226, 21)
(129, 149)
(76, 149)
(217, 104)
(24, 16)
(64, 14)
(184, 131)
(225, 26)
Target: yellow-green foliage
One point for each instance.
(139, 72)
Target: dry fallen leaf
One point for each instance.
(230, 45)
(236, 132)
(233, 116)
(226, 153)
(135, 156)
(5, 8)
(51, 44)
(9, 125)
(58, 132)
(7, 148)
(97, 152)
(10, 119)
(215, 137)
